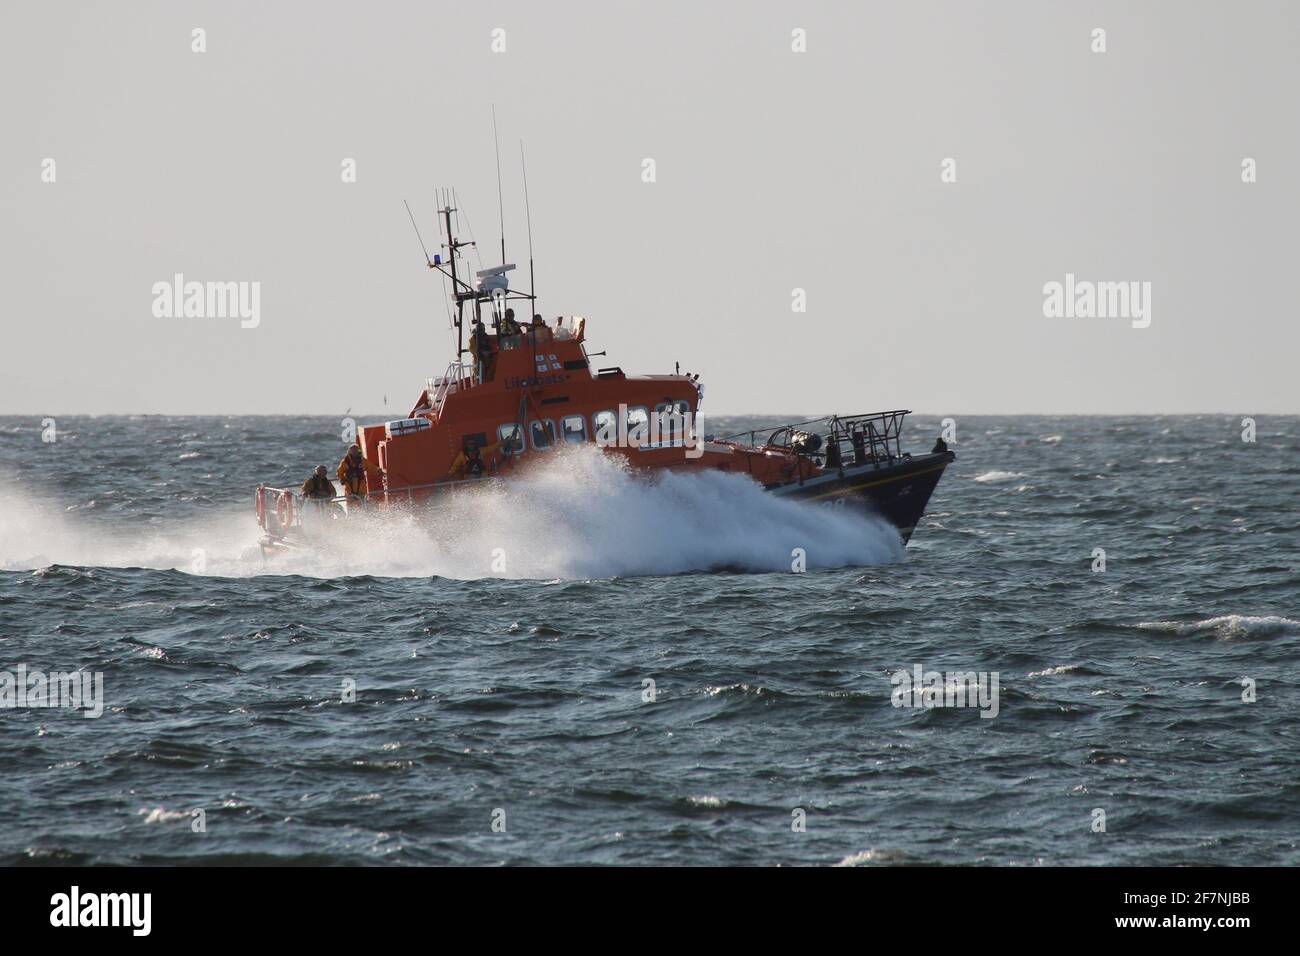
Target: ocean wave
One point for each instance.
(1227, 626)
(1053, 671)
(161, 815)
(708, 801)
(990, 476)
(876, 857)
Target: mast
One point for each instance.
(532, 276)
(460, 312)
(460, 289)
(491, 284)
(501, 209)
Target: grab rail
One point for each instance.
(455, 374)
(269, 520)
(871, 437)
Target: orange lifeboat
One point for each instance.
(520, 388)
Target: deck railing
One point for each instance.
(271, 510)
(840, 439)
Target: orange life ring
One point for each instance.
(284, 509)
(261, 507)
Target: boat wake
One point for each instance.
(582, 515)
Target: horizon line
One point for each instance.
(705, 414)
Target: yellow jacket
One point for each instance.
(352, 477)
(459, 466)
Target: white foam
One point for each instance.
(1228, 626)
(997, 476)
(583, 515)
(1053, 671)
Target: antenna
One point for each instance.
(468, 225)
(532, 277)
(427, 260)
(500, 206)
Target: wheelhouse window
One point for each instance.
(573, 428)
(511, 438)
(638, 424)
(671, 418)
(543, 433)
(605, 427)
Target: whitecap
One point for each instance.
(1052, 671)
(1228, 626)
(706, 801)
(160, 815)
(869, 857)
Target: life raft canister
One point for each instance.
(284, 509)
(261, 508)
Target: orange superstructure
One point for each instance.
(529, 392)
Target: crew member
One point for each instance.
(480, 346)
(859, 447)
(470, 463)
(318, 486)
(939, 446)
(508, 324)
(352, 471)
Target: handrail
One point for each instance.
(271, 495)
(872, 444)
(770, 428)
(866, 443)
(455, 374)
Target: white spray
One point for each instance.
(583, 515)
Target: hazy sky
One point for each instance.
(775, 170)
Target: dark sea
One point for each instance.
(589, 668)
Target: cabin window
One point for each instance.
(573, 428)
(638, 424)
(543, 432)
(512, 440)
(672, 420)
(605, 425)
(679, 407)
